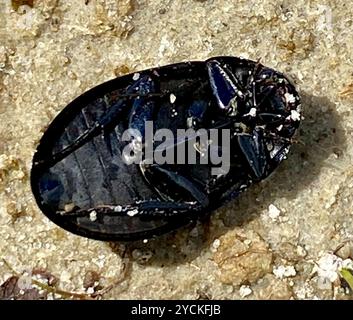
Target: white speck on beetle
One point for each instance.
(295, 115)
(269, 146)
(245, 291)
(118, 208)
(273, 211)
(172, 98)
(251, 113)
(284, 272)
(93, 216)
(174, 113)
(132, 213)
(280, 127)
(289, 98)
(136, 76)
(145, 241)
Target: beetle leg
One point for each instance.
(178, 180)
(142, 111)
(142, 108)
(102, 125)
(187, 185)
(225, 86)
(271, 118)
(254, 149)
(253, 74)
(251, 83)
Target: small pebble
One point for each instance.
(245, 291)
(273, 212)
(172, 98)
(216, 244)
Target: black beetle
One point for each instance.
(83, 181)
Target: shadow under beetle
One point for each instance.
(82, 182)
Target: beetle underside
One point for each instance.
(85, 181)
